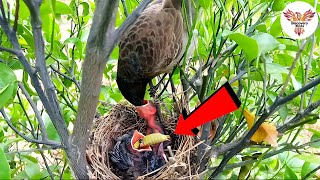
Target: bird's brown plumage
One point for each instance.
(151, 46)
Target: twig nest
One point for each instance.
(123, 119)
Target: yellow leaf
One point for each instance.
(266, 132)
(249, 117)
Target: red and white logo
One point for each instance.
(299, 20)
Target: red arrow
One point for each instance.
(222, 102)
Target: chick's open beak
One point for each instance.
(137, 136)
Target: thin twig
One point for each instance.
(53, 144)
(16, 16)
(246, 139)
(35, 136)
(313, 42)
(56, 114)
(30, 150)
(73, 79)
(35, 110)
(298, 117)
(125, 9)
(2, 11)
(12, 51)
(287, 147)
(301, 48)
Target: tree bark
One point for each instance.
(101, 41)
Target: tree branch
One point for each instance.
(101, 41)
(12, 51)
(56, 115)
(298, 117)
(246, 139)
(287, 147)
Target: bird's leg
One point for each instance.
(148, 112)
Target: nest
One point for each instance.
(123, 119)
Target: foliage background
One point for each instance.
(228, 39)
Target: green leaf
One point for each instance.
(295, 83)
(245, 170)
(23, 8)
(278, 5)
(266, 42)
(289, 174)
(262, 28)
(283, 112)
(33, 170)
(313, 138)
(51, 130)
(5, 94)
(274, 68)
(276, 28)
(8, 84)
(284, 59)
(32, 167)
(62, 8)
(85, 7)
(5, 169)
(311, 158)
(75, 41)
(248, 44)
(306, 168)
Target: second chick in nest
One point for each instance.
(132, 159)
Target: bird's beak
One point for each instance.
(147, 110)
(136, 137)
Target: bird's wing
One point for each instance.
(151, 44)
(308, 15)
(291, 16)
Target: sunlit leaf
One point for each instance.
(278, 5)
(62, 8)
(274, 68)
(5, 169)
(306, 168)
(248, 44)
(276, 28)
(33, 170)
(289, 174)
(8, 84)
(85, 8)
(311, 158)
(266, 42)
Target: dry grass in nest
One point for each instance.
(123, 119)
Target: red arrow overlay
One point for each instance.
(222, 102)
